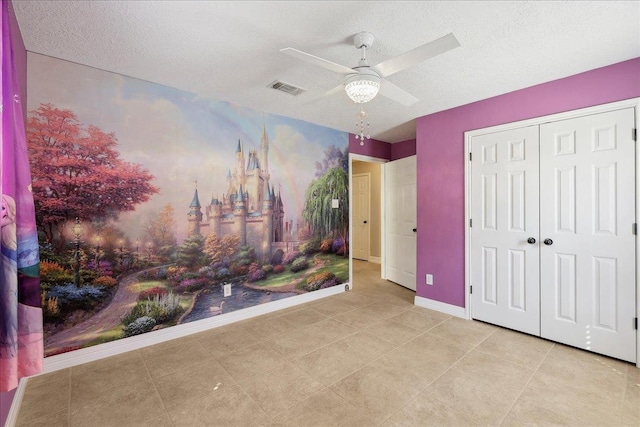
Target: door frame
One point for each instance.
(369, 159)
(368, 175)
(628, 103)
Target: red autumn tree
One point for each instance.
(77, 172)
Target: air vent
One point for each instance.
(287, 88)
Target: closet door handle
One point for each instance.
(548, 242)
(531, 240)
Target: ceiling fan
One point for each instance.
(363, 82)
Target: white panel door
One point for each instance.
(400, 221)
(361, 220)
(504, 235)
(587, 207)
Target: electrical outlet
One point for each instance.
(430, 279)
(227, 289)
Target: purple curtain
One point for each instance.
(21, 338)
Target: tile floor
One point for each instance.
(367, 357)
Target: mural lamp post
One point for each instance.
(121, 242)
(149, 246)
(137, 247)
(77, 232)
(98, 241)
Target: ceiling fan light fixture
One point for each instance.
(362, 88)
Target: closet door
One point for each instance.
(587, 255)
(504, 235)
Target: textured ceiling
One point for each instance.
(230, 50)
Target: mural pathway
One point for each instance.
(108, 318)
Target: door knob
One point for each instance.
(548, 242)
(365, 222)
(531, 240)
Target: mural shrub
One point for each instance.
(160, 273)
(267, 268)
(71, 298)
(192, 284)
(152, 292)
(299, 264)
(253, 267)
(160, 308)
(326, 245)
(222, 273)
(239, 270)
(319, 281)
(277, 269)
(246, 255)
(105, 281)
(256, 275)
(52, 273)
(337, 246)
(139, 326)
(175, 274)
(50, 308)
(88, 276)
(310, 247)
(277, 257)
(220, 264)
(290, 257)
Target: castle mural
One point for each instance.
(157, 207)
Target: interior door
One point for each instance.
(361, 216)
(504, 233)
(400, 221)
(587, 178)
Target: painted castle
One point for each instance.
(250, 208)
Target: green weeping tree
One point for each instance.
(318, 213)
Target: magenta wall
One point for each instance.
(440, 151)
(371, 148)
(403, 149)
(20, 57)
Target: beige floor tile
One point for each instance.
(364, 346)
(404, 374)
(516, 347)
(162, 420)
(543, 407)
(359, 318)
(131, 405)
(387, 309)
(228, 407)
(253, 360)
(458, 329)
(423, 410)
(277, 393)
(310, 338)
(420, 318)
(227, 341)
(329, 364)
(492, 366)
(163, 359)
(331, 306)
(95, 378)
(55, 419)
(302, 318)
(268, 328)
(436, 348)
(355, 298)
(370, 395)
(631, 402)
(392, 331)
(484, 397)
(43, 397)
(200, 379)
(321, 409)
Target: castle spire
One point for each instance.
(195, 203)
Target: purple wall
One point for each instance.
(20, 56)
(440, 150)
(371, 148)
(403, 149)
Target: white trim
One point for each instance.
(12, 416)
(90, 354)
(375, 259)
(597, 109)
(440, 306)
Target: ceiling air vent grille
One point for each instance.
(287, 88)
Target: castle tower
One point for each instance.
(240, 213)
(239, 175)
(264, 153)
(215, 216)
(195, 215)
(267, 214)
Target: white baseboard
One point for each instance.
(442, 307)
(12, 416)
(375, 259)
(90, 354)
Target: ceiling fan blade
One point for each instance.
(337, 89)
(394, 93)
(317, 61)
(417, 55)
